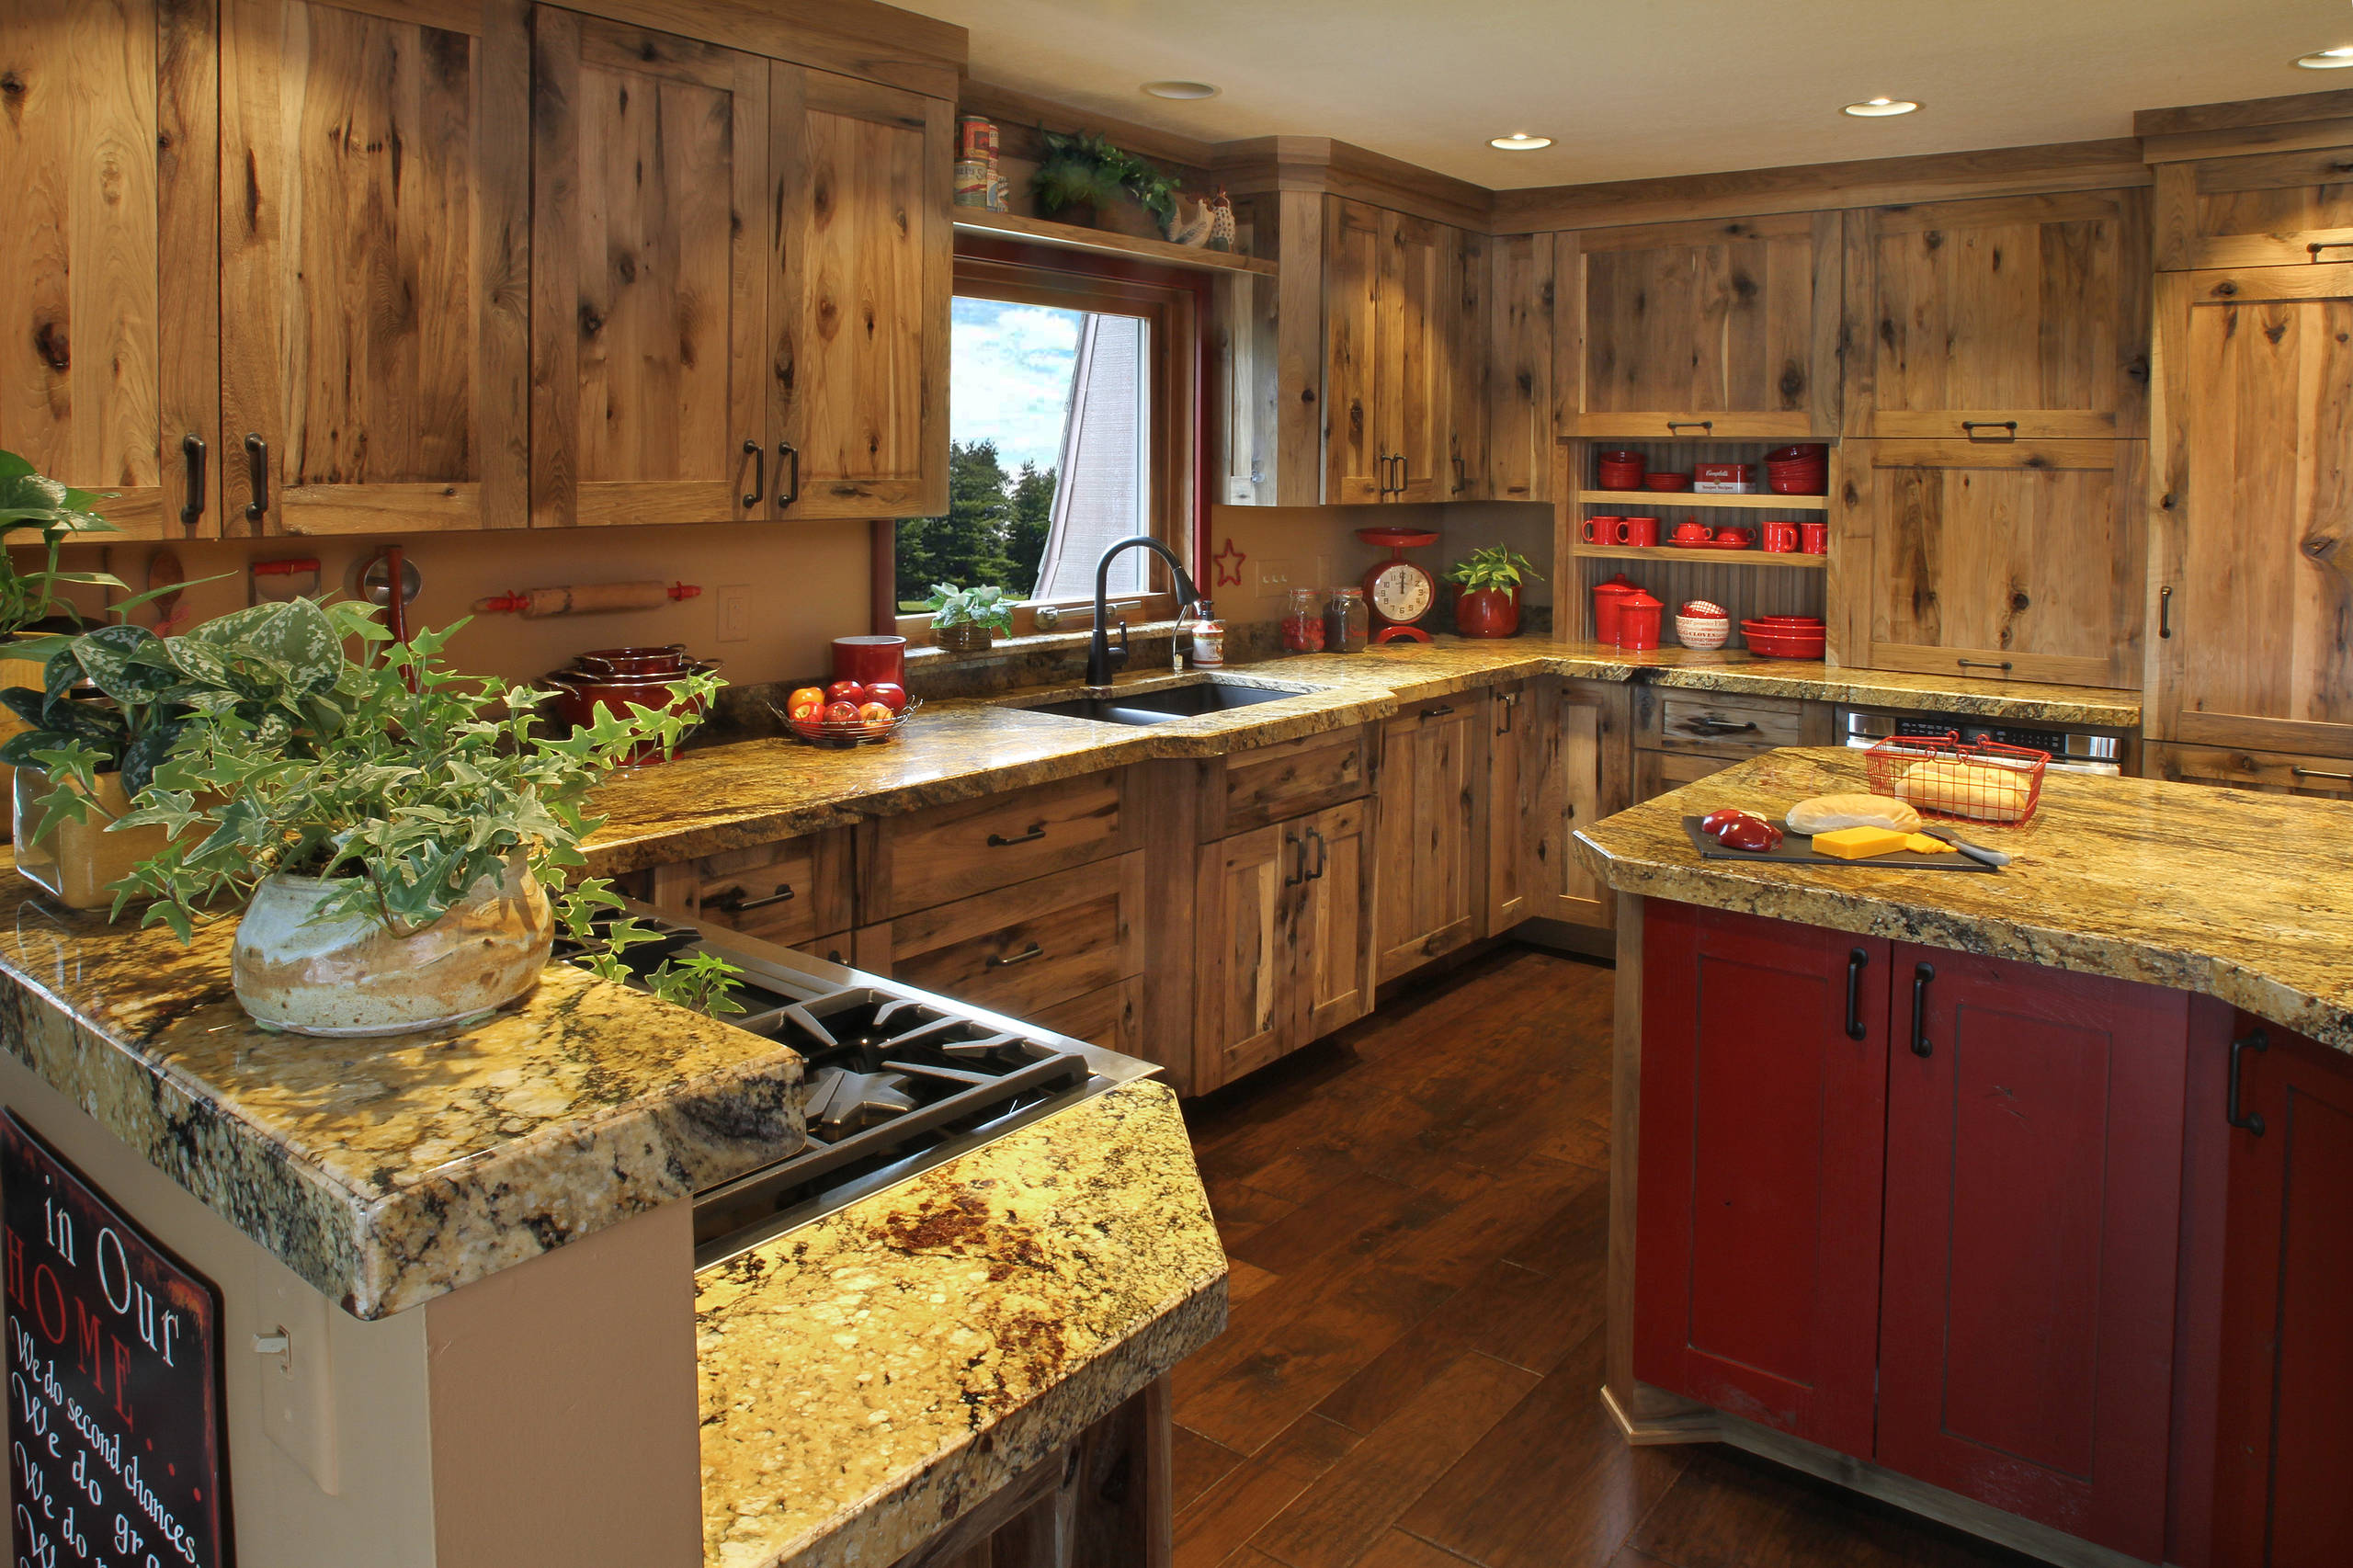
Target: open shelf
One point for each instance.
(1750, 557)
(1692, 498)
(1069, 236)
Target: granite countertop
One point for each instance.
(869, 1377)
(735, 795)
(2241, 896)
(387, 1171)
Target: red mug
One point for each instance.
(869, 659)
(1643, 531)
(1814, 537)
(1780, 537)
(1599, 531)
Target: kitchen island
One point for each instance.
(1970, 1189)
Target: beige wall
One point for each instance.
(1317, 546)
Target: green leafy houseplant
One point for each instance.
(986, 608)
(1083, 169)
(1486, 601)
(59, 513)
(1497, 566)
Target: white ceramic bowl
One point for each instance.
(1702, 631)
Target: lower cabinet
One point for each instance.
(1434, 808)
(1509, 872)
(1916, 1205)
(2286, 1378)
(1022, 949)
(1111, 1018)
(2266, 772)
(1282, 917)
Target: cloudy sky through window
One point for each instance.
(1009, 378)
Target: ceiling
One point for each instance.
(1634, 89)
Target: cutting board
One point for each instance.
(1798, 849)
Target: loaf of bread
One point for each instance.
(1827, 813)
(1978, 791)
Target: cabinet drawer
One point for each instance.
(950, 852)
(834, 946)
(2267, 772)
(1656, 772)
(1716, 725)
(788, 892)
(1288, 780)
(1111, 1018)
(1023, 948)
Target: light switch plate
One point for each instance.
(1274, 577)
(298, 1382)
(735, 613)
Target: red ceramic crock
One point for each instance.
(1606, 598)
(869, 659)
(1486, 612)
(1639, 620)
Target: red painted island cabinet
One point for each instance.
(1916, 1205)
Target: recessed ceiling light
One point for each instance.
(1519, 142)
(2326, 60)
(1180, 89)
(1880, 108)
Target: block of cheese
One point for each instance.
(1979, 790)
(1921, 843)
(1859, 843)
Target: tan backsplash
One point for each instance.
(1317, 547)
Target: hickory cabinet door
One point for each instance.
(2022, 317)
(373, 262)
(1432, 832)
(649, 316)
(108, 316)
(2254, 525)
(2269, 210)
(861, 260)
(1355, 470)
(1419, 295)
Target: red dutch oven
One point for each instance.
(614, 678)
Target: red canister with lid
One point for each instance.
(867, 660)
(1639, 616)
(1607, 599)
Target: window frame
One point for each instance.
(1176, 303)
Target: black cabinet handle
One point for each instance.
(2009, 429)
(1982, 664)
(792, 456)
(1675, 424)
(759, 456)
(1036, 831)
(1440, 711)
(1322, 853)
(1715, 726)
(1000, 961)
(258, 458)
(1856, 958)
(2165, 611)
(192, 446)
(1301, 875)
(735, 901)
(1404, 472)
(2317, 246)
(2253, 1120)
(1920, 978)
(1509, 702)
(2295, 772)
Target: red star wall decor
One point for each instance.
(1228, 573)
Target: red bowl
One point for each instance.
(1667, 481)
(1810, 452)
(1802, 484)
(1814, 621)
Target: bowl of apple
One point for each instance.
(848, 714)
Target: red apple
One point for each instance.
(804, 697)
(878, 715)
(841, 714)
(847, 691)
(890, 693)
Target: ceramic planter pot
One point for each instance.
(968, 638)
(1486, 612)
(16, 671)
(77, 860)
(351, 976)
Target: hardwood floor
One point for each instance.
(1416, 1212)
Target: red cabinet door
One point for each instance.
(1763, 1110)
(2282, 1495)
(2033, 1210)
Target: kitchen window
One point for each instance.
(1071, 425)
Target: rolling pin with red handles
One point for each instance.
(587, 598)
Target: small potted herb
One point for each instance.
(965, 620)
(1486, 591)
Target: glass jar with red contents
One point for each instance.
(1304, 622)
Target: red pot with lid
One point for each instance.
(670, 661)
(1639, 620)
(1607, 599)
(614, 678)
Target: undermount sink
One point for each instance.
(1191, 700)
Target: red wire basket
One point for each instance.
(1980, 781)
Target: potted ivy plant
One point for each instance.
(965, 620)
(1486, 591)
(1083, 175)
(401, 836)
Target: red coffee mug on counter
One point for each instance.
(1780, 539)
(1599, 531)
(1814, 537)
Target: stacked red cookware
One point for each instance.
(1785, 636)
(1798, 471)
(613, 679)
(1623, 469)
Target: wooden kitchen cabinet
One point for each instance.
(1433, 827)
(1508, 869)
(2033, 1187)
(1395, 382)
(2267, 210)
(374, 247)
(1713, 329)
(919, 858)
(1577, 769)
(2024, 317)
(1763, 1142)
(1520, 434)
(793, 893)
(109, 312)
(2286, 1376)
(2267, 773)
(1656, 772)
(2253, 536)
(1283, 939)
(2018, 560)
(1024, 949)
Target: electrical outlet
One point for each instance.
(735, 613)
(1274, 577)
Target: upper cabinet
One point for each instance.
(857, 378)
(2269, 210)
(2016, 318)
(1716, 329)
(1518, 366)
(373, 269)
(108, 376)
(648, 279)
(2254, 516)
(1395, 390)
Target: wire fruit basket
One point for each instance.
(841, 734)
(1981, 781)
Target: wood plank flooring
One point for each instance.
(1416, 1211)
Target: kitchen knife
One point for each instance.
(1977, 852)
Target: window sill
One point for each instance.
(1035, 642)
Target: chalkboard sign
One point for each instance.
(116, 1454)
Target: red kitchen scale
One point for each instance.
(1399, 591)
